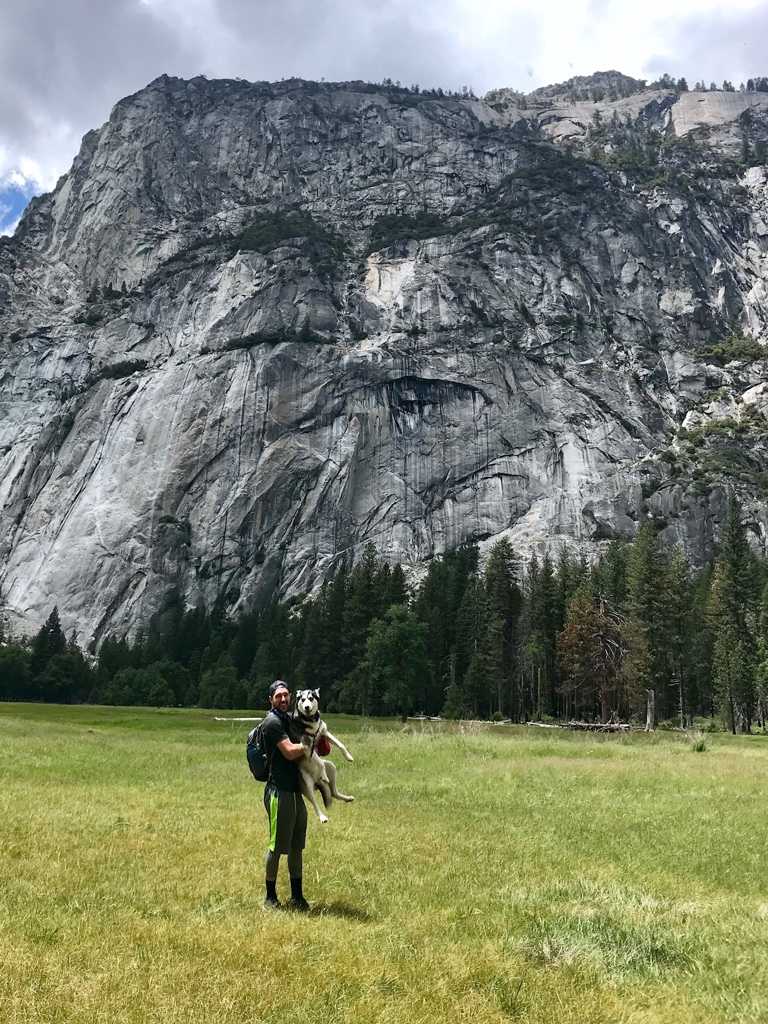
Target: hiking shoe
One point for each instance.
(299, 905)
(272, 903)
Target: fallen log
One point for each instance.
(600, 726)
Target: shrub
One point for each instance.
(116, 371)
(304, 334)
(706, 725)
(734, 348)
(394, 227)
(698, 742)
(270, 229)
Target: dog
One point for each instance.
(314, 772)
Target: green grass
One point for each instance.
(484, 875)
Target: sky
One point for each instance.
(65, 63)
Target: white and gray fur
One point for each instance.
(314, 772)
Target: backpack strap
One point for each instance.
(269, 755)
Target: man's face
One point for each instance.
(281, 699)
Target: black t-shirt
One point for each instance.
(282, 773)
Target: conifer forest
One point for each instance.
(640, 632)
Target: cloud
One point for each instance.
(714, 45)
(64, 65)
(430, 43)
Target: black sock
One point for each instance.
(271, 890)
(296, 893)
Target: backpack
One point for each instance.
(258, 761)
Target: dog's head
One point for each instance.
(307, 703)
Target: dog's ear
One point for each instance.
(317, 693)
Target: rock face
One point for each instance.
(258, 326)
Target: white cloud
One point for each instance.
(33, 175)
(28, 177)
(63, 66)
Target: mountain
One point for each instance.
(258, 326)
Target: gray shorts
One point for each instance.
(287, 816)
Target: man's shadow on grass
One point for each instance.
(340, 909)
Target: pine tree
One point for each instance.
(470, 628)
(177, 679)
(397, 591)
(591, 652)
(732, 678)
(245, 642)
(678, 631)
(219, 685)
(611, 575)
(699, 657)
(735, 550)
(495, 663)
(551, 622)
(190, 638)
(454, 706)
(15, 676)
(540, 626)
(504, 607)
(436, 605)
(332, 644)
(361, 608)
(396, 659)
(577, 680)
(645, 608)
(260, 675)
(312, 668)
(566, 582)
(761, 663)
(475, 681)
(48, 642)
(728, 661)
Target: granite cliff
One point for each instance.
(257, 326)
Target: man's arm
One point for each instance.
(276, 737)
(290, 751)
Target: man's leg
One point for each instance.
(295, 874)
(272, 862)
(295, 856)
(271, 865)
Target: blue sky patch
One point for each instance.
(13, 201)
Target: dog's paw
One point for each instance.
(324, 819)
(349, 757)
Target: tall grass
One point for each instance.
(481, 874)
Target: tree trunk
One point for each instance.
(538, 690)
(603, 708)
(650, 710)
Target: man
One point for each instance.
(282, 799)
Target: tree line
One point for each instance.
(547, 638)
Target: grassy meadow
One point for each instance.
(486, 874)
